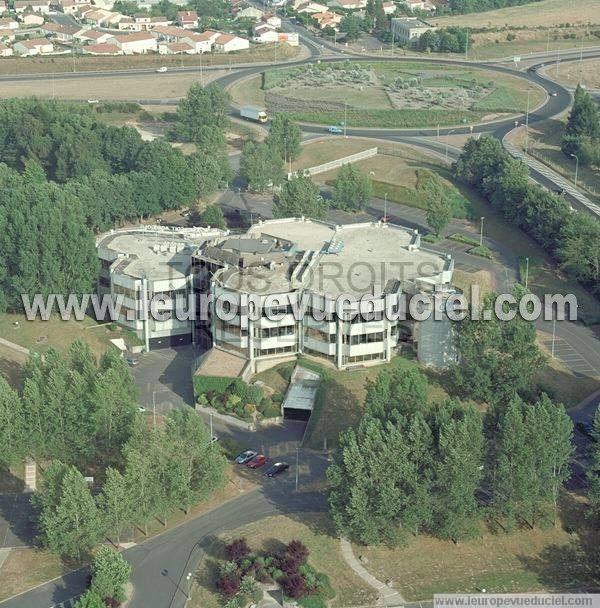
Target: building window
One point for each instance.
(364, 338)
(230, 328)
(274, 332)
(317, 334)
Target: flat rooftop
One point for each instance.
(154, 252)
(355, 257)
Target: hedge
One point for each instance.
(218, 384)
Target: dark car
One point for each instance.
(277, 469)
(587, 429)
(257, 462)
(245, 457)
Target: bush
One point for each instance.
(237, 550)
(461, 238)
(229, 584)
(205, 384)
(294, 586)
(482, 251)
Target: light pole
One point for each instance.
(553, 335)
(448, 135)
(548, 43)
(481, 231)
(211, 427)
(576, 167)
(526, 272)
(438, 132)
(527, 123)
(154, 409)
(345, 117)
(297, 457)
(188, 578)
(467, 46)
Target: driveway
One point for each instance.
(16, 529)
(164, 376)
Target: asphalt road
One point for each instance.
(160, 565)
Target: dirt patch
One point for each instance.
(572, 73)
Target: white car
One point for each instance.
(93, 101)
(161, 70)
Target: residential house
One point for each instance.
(249, 13)
(36, 6)
(3, 7)
(8, 23)
(103, 48)
(102, 18)
(135, 44)
(60, 32)
(33, 46)
(271, 19)
(327, 19)
(187, 19)
(169, 33)
(349, 5)
(93, 36)
(414, 4)
(226, 43)
(5, 51)
(311, 8)
(389, 8)
(175, 48)
(269, 36)
(408, 30)
(31, 19)
(69, 7)
(201, 43)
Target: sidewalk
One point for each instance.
(552, 175)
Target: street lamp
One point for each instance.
(297, 448)
(527, 123)
(526, 271)
(448, 135)
(481, 232)
(576, 167)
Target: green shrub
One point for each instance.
(462, 238)
(204, 384)
(482, 251)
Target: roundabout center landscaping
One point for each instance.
(389, 94)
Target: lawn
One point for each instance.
(330, 148)
(248, 91)
(499, 47)
(55, 333)
(370, 98)
(527, 560)
(340, 401)
(533, 14)
(315, 530)
(570, 73)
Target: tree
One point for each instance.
(114, 503)
(261, 166)
(530, 461)
(439, 206)
(211, 215)
(110, 574)
(458, 471)
(299, 197)
(593, 476)
(69, 522)
(351, 25)
(285, 137)
(90, 599)
(352, 189)
(237, 550)
(582, 133)
(203, 117)
(579, 251)
(497, 358)
(12, 425)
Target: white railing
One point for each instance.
(334, 164)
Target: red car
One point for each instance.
(257, 462)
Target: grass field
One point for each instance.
(527, 560)
(546, 13)
(66, 63)
(499, 47)
(586, 72)
(315, 530)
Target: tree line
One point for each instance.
(79, 414)
(65, 176)
(410, 466)
(477, 6)
(572, 239)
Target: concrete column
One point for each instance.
(146, 314)
(339, 342)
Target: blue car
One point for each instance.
(335, 130)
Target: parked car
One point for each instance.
(257, 462)
(335, 130)
(553, 94)
(277, 469)
(245, 457)
(162, 69)
(132, 361)
(587, 429)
